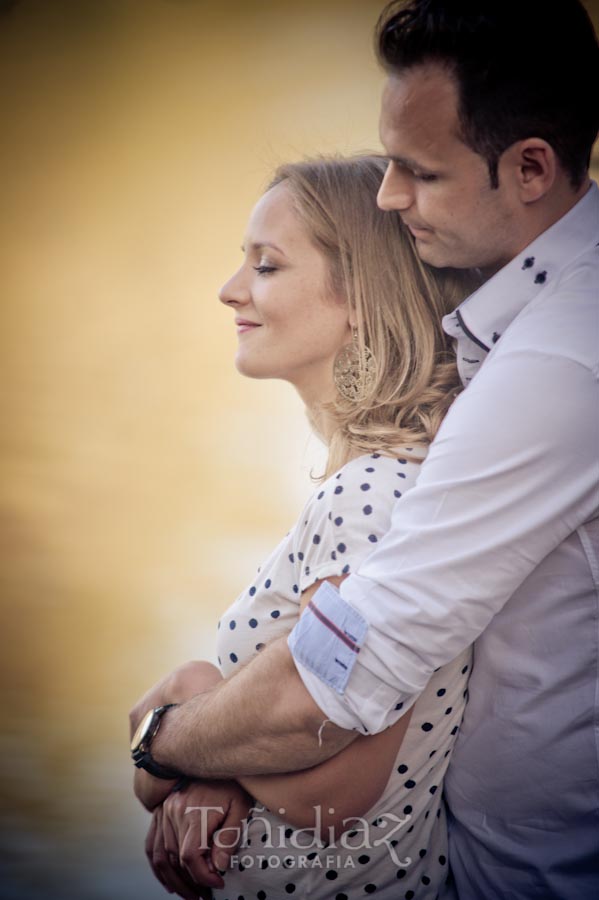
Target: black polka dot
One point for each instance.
(401, 873)
(402, 462)
(410, 783)
(288, 832)
(312, 855)
(333, 555)
(454, 730)
(316, 539)
(401, 474)
(261, 895)
(375, 456)
(341, 897)
(365, 486)
(441, 692)
(307, 570)
(422, 853)
(233, 657)
(442, 860)
(345, 569)
(300, 556)
(377, 822)
(267, 583)
(427, 814)
(367, 510)
(448, 710)
(219, 662)
(397, 493)
(339, 520)
(339, 489)
(290, 889)
(426, 726)
(260, 646)
(409, 895)
(432, 753)
(232, 624)
(341, 548)
(372, 538)
(528, 262)
(363, 859)
(320, 496)
(402, 769)
(369, 469)
(295, 589)
(407, 810)
(264, 864)
(398, 705)
(425, 879)
(275, 613)
(291, 558)
(253, 623)
(252, 591)
(541, 278)
(464, 670)
(332, 875)
(369, 888)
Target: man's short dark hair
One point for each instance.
(524, 68)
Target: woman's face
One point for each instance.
(289, 322)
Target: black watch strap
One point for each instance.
(142, 756)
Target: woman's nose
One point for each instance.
(234, 292)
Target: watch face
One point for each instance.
(142, 729)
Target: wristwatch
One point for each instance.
(142, 741)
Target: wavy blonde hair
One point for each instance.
(397, 300)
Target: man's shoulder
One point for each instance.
(562, 321)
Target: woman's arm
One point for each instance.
(345, 786)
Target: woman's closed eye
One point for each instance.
(264, 270)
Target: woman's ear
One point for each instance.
(532, 164)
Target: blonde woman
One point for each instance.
(332, 298)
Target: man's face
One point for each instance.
(439, 185)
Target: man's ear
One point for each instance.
(533, 165)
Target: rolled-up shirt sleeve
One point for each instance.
(512, 472)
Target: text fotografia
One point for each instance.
(360, 835)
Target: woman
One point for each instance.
(332, 298)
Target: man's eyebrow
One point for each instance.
(259, 245)
(408, 163)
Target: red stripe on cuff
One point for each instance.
(332, 627)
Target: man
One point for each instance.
(488, 128)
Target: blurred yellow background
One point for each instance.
(143, 480)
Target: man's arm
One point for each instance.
(261, 720)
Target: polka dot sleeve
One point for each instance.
(348, 515)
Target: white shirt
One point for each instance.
(494, 543)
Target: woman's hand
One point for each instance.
(187, 844)
(182, 684)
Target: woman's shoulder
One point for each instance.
(351, 510)
(374, 474)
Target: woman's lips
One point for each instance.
(244, 325)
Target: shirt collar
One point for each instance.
(486, 314)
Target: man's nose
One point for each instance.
(396, 190)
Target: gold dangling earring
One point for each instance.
(353, 370)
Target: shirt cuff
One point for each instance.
(339, 670)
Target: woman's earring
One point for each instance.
(354, 370)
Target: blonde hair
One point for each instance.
(397, 300)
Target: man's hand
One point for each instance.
(150, 791)
(184, 844)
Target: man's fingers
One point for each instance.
(197, 862)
